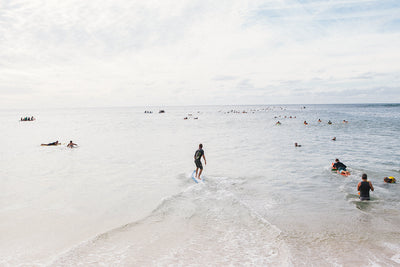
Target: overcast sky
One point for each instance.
(123, 52)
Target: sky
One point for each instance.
(75, 53)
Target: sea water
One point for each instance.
(125, 196)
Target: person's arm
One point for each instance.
(370, 184)
(358, 186)
(205, 161)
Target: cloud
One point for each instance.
(115, 52)
(224, 78)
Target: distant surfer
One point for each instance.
(364, 187)
(51, 144)
(71, 144)
(197, 160)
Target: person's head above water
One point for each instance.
(364, 176)
(389, 179)
(337, 160)
(200, 145)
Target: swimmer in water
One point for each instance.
(389, 180)
(334, 138)
(305, 123)
(296, 145)
(71, 145)
(364, 187)
(319, 120)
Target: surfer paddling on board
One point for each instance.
(51, 144)
(197, 160)
(341, 168)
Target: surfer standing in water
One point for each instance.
(197, 160)
(364, 187)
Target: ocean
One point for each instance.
(125, 197)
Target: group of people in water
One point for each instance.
(190, 115)
(364, 186)
(329, 122)
(305, 122)
(151, 112)
(28, 118)
(56, 143)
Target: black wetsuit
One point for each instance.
(339, 166)
(197, 158)
(364, 190)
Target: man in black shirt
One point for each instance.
(339, 166)
(364, 187)
(197, 160)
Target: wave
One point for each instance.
(204, 224)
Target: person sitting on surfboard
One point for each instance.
(197, 160)
(71, 145)
(364, 187)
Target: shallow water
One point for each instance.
(125, 196)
